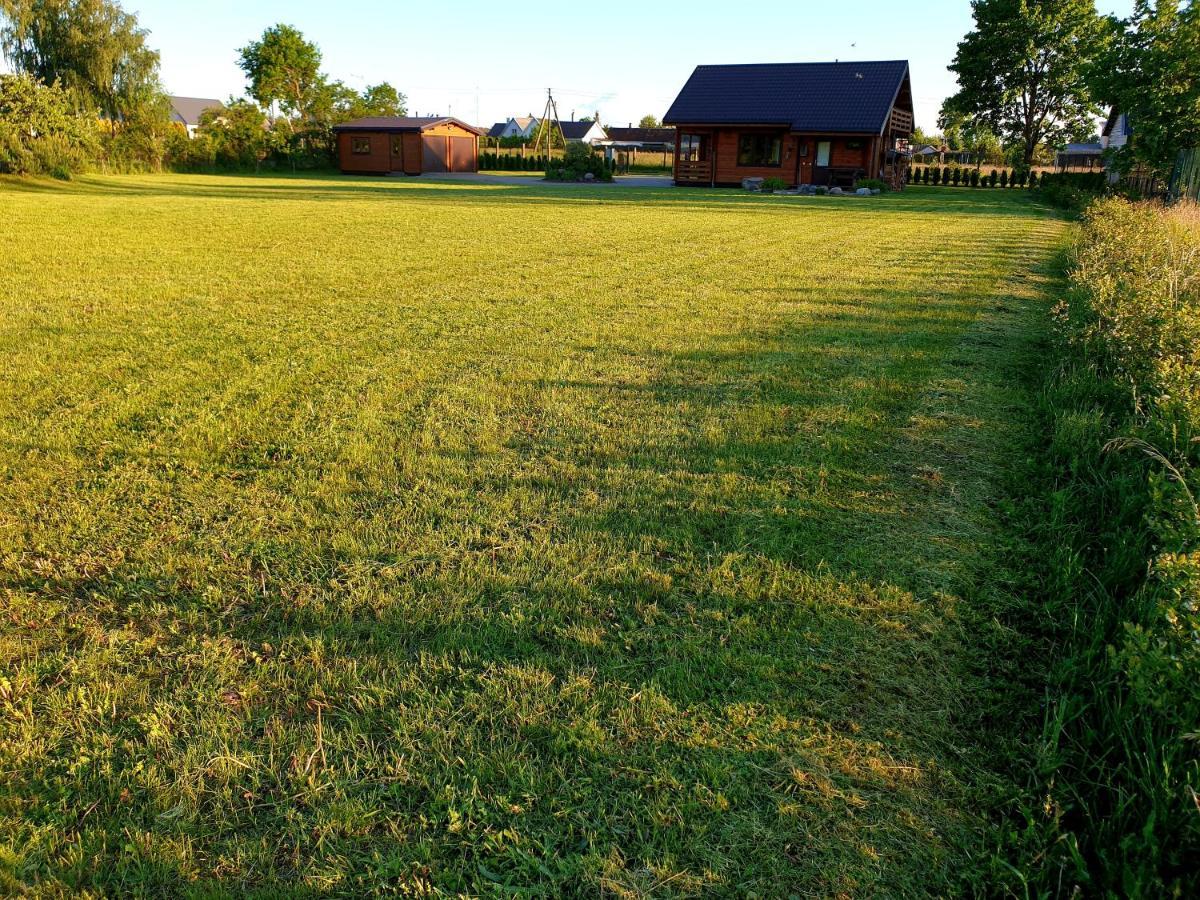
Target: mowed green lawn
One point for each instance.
(388, 535)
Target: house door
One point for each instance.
(804, 161)
(435, 153)
(397, 154)
(821, 162)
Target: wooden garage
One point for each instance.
(407, 144)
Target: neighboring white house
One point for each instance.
(1115, 136)
(583, 132)
(1116, 131)
(186, 111)
(521, 126)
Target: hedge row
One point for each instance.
(1118, 778)
(512, 162)
(958, 176)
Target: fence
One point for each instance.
(1185, 177)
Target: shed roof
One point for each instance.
(402, 123)
(854, 97)
(1083, 149)
(497, 130)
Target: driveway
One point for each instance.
(645, 181)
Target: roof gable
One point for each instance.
(577, 131)
(836, 97)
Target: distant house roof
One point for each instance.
(1082, 149)
(576, 131)
(642, 135)
(401, 123)
(497, 130)
(187, 110)
(853, 97)
(525, 121)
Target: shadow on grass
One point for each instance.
(340, 188)
(736, 647)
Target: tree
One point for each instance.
(237, 131)
(40, 130)
(649, 122)
(1021, 72)
(382, 100)
(1151, 72)
(282, 68)
(93, 48)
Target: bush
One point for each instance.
(40, 131)
(770, 185)
(1116, 797)
(1071, 191)
(578, 161)
(1004, 179)
(974, 178)
(957, 176)
(993, 178)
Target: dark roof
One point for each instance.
(1083, 149)
(400, 123)
(853, 97)
(576, 131)
(187, 110)
(642, 135)
(497, 130)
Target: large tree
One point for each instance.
(283, 68)
(1152, 73)
(648, 122)
(1021, 71)
(93, 48)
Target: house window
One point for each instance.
(360, 146)
(691, 148)
(822, 153)
(759, 150)
(854, 145)
(802, 148)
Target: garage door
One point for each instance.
(462, 154)
(434, 154)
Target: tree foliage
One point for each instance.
(237, 133)
(649, 122)
(1021, 71)
(283, 68)
(40, 130)
(93, 48)
(1151, 72)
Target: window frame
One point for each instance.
(357, 142)
(751, 147)
(692, 143)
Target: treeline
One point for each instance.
(86, 94)
(1114, 809)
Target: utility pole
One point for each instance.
(545, 126)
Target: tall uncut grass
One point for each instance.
(1121, 754)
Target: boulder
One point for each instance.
(875, 190)
(836, 192)
(588, 176)
(752, 184)
(863, 192)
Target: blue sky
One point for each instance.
(484, 61)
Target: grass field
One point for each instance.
(387, 535)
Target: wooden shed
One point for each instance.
(803, 123)
(407, 144)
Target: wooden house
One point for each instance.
(804, 123)
(408, 145)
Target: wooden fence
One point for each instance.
(1185, 177)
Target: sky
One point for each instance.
(486, 61)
